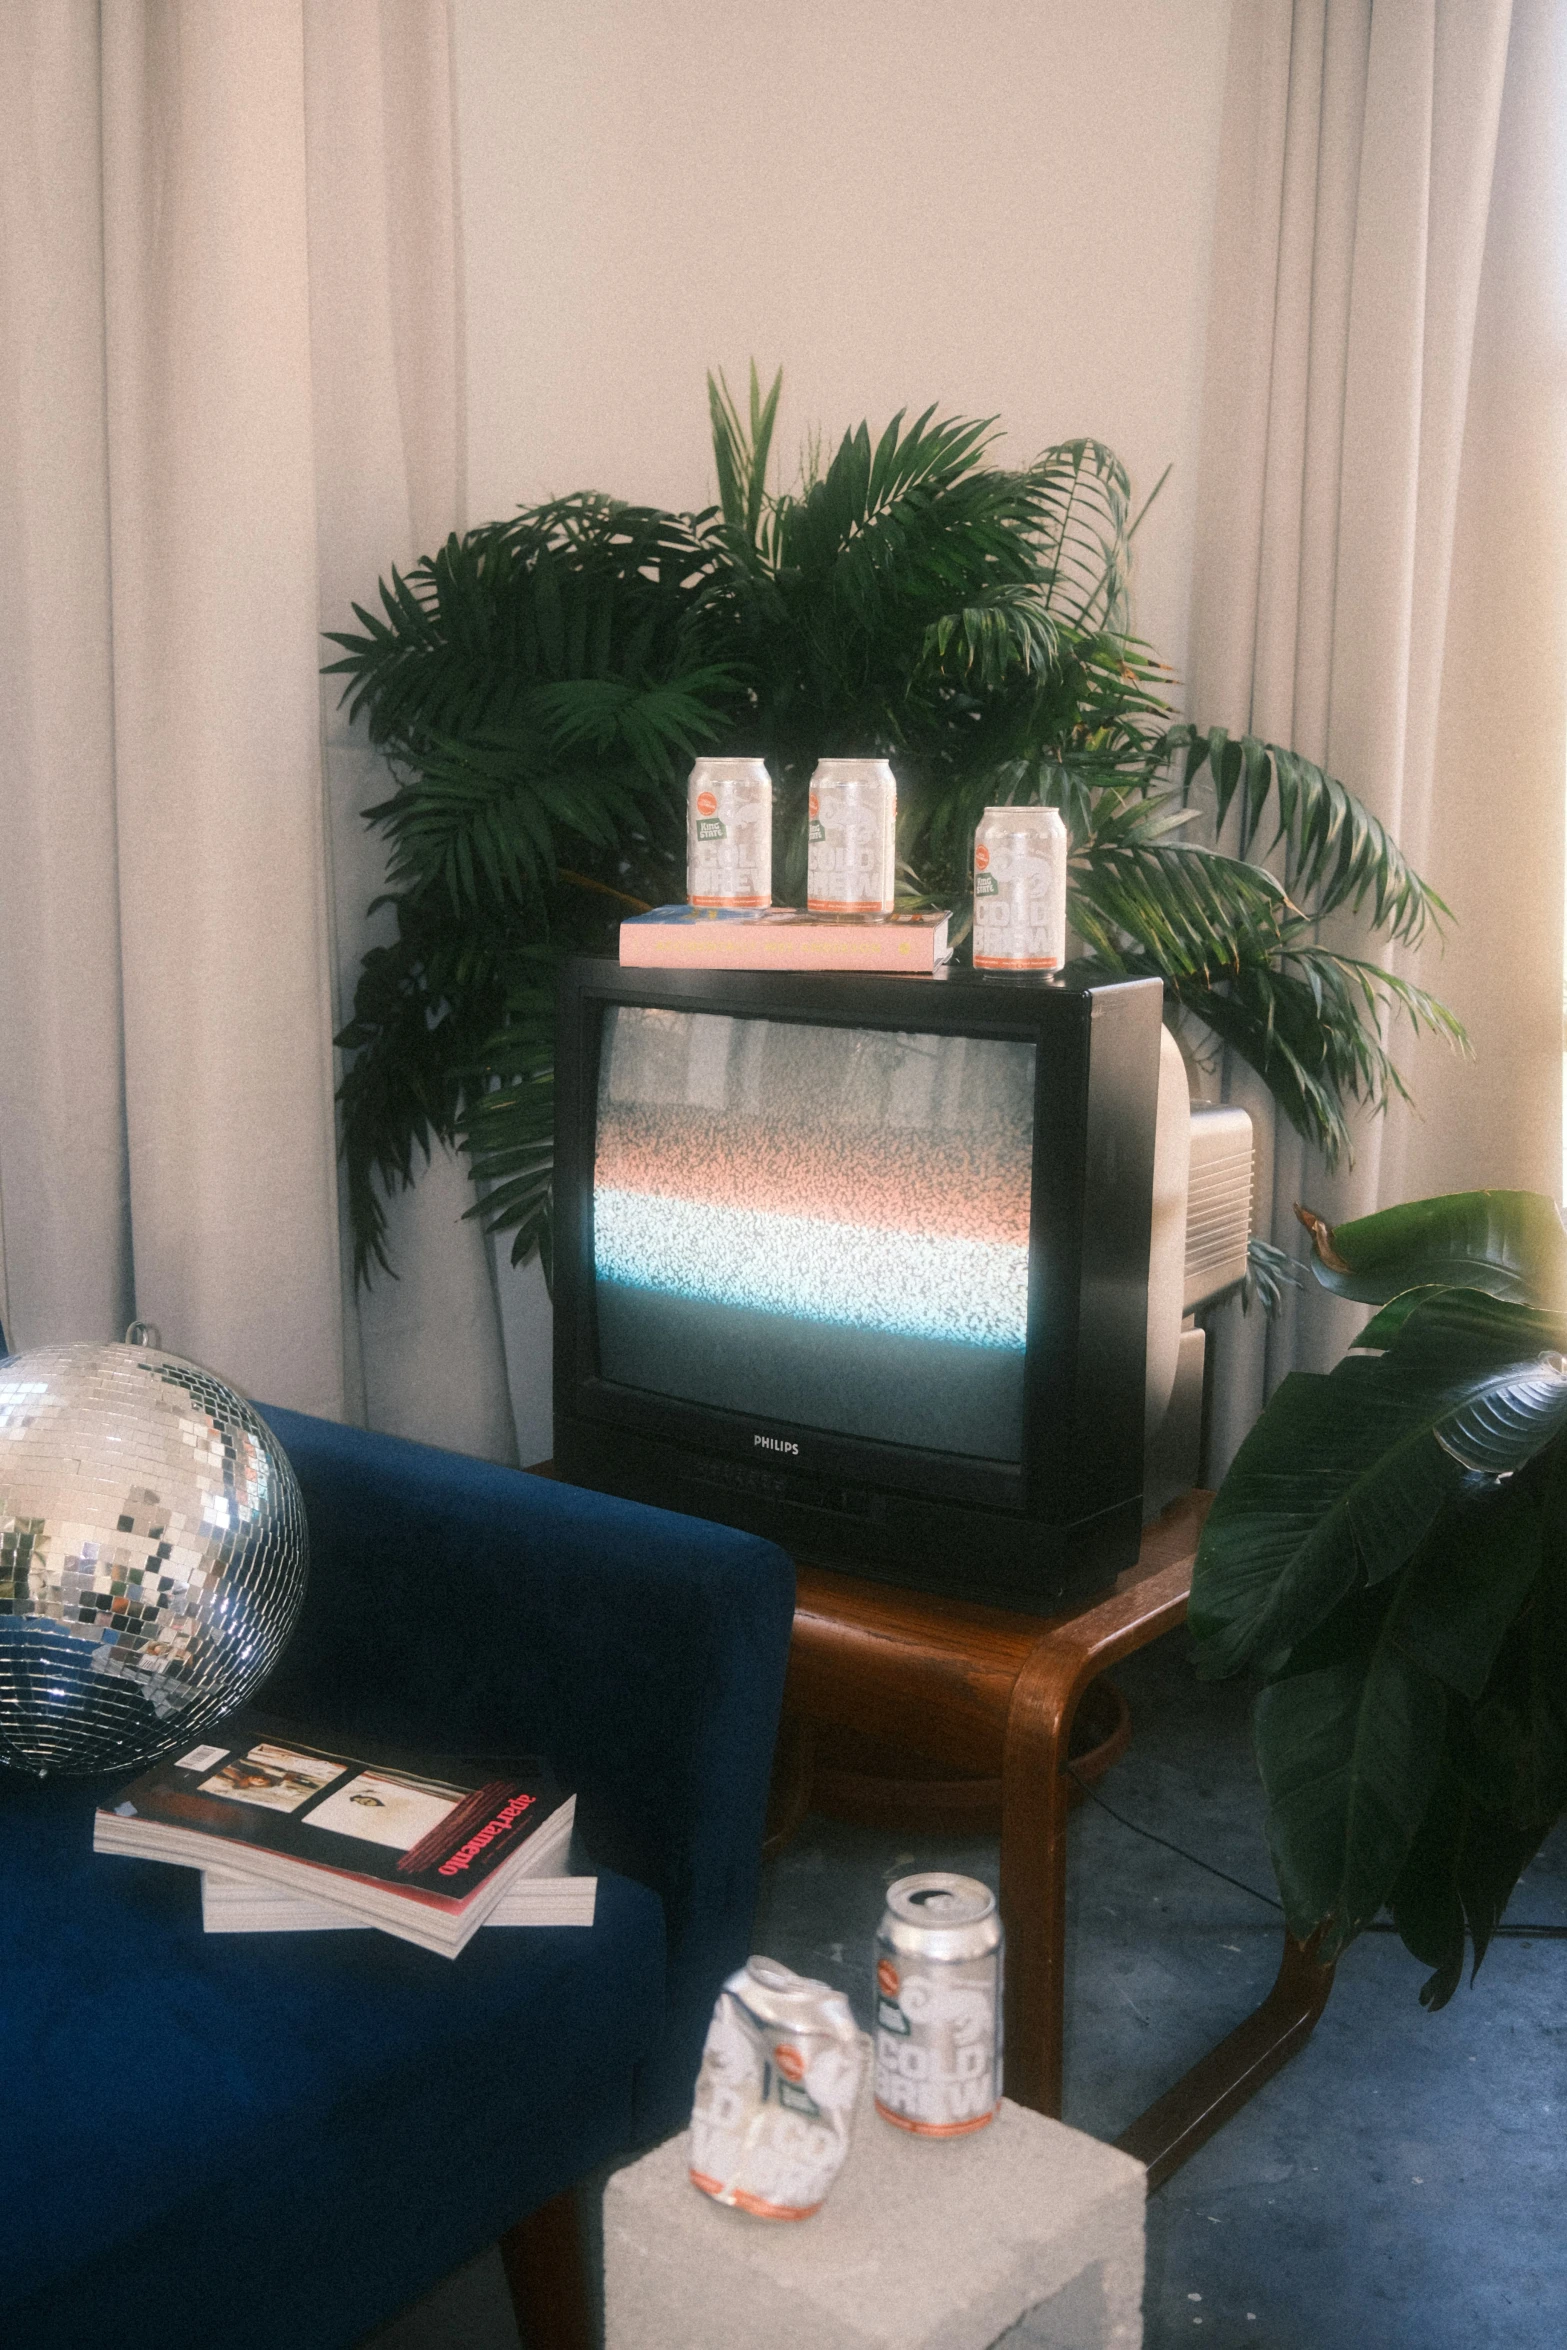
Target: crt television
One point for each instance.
(861, 1263)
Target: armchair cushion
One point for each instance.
(462, 1604)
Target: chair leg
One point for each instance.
(789, 1796)
(547, 2273)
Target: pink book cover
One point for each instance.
(781, 938)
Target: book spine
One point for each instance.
(651, 949)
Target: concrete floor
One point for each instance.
(1400, 2186)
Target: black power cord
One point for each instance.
(1377, 1926)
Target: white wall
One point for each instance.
(1006, 209)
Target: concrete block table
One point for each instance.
(1027, 2233)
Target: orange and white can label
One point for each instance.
(938, 2006)
(776, 2094)
(851, 838)
(729, 834)
(1020, 890)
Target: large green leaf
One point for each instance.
(1425, 1900)
(1510, 1243)
(1349, 1756)
(1401, 1766)
(1466, 1584)
(1343, 1477)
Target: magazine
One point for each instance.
(232, 1904)
(426, 1851)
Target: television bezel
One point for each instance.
(1073, 1499)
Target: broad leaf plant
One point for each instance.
(541, 685)
(1389, 1554)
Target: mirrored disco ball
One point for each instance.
(152, 1555)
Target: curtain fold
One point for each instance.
(422, 1350)
(64, 1187)
(228, 1069)
(1386, 314)
(230, 366)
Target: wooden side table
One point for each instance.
(989, 1691)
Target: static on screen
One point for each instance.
(817, 1225)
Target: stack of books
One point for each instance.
(295, 1837)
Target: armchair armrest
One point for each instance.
(461, 1605)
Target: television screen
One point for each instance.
(822, 1226)
(860, 1261)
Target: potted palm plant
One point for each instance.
(540, 685)
(1389, 1553)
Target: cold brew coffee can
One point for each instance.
(1020, 890)
(938, 2005)
(851, 866)
(729, 833)
(776, 2093)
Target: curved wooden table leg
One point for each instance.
(1035, 1797)
(1177, 2123)
(1034, 1803)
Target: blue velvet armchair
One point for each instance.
(274, 2142)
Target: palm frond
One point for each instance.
(1337, 853)
(1004, 629)
(509, 1126)
(480, 820)
(917, 514)
(740, 452)
(583, 587)
(422, 1007)
(1200, 916)
(1311, 1026)
(1078, 501)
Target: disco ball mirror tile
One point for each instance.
(152, 1555)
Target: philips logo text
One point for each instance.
(775, 1444)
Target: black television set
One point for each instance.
(861, 1263)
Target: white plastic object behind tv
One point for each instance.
(1202, 1183)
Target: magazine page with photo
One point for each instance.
(418, 1854)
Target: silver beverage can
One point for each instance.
(776, 2093)
(851, 866)
(729, 833)
(1020, 890)
(938, 2005)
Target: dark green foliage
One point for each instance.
(541, 685)
(1389, 1550)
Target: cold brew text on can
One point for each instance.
(1020, 890)
(938, 2005)
(729, 833)
(775, 2097)
(853, 826)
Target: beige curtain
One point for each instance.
(1381, 564)
(423, 1351)
(230, 329)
